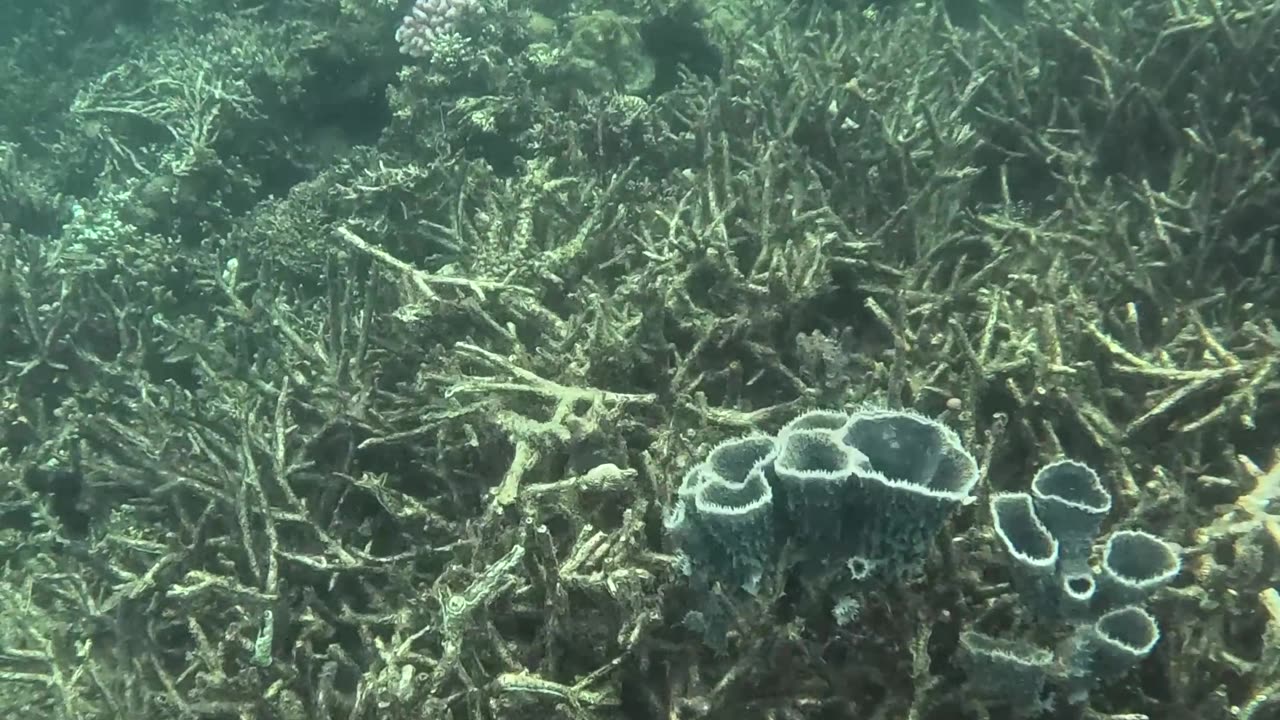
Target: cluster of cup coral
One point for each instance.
(866, 493)
(868, 490)
(1048, 536)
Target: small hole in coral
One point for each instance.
(1080, 585)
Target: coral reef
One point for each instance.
(337, 382)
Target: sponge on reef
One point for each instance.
(873, 486)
